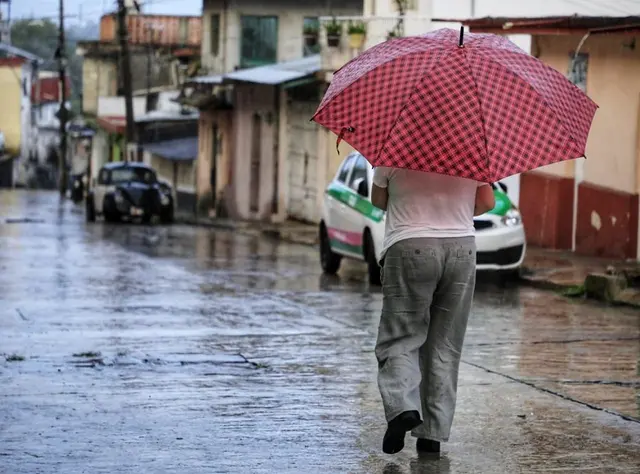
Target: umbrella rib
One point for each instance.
(482, 121)
(542, 98)
(404, 106)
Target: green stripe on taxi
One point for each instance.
(364, 206)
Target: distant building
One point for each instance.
(164, 49)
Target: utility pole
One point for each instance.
(125, 70)
(62, 76)
(150, 38)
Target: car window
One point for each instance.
(346, 167)
(359, 172)
(140, 175)
(103, 177)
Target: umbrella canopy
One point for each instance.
(481, 109)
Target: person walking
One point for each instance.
(428, 268)
(437, 115)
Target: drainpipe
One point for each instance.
(578, 175)
(225, 28)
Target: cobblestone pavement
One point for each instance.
(131, 349)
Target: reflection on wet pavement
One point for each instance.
(175, 349)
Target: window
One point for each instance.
(214, 31)
(578, 67)
(311, 45)
(138, 175)
(359, 173)
(346, 167)
(258, 41)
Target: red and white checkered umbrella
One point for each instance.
(484, 110)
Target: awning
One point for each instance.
(213, 79)
(179, 149)
(279, 73)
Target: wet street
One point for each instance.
(133, 349)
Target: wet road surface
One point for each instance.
(130, 349)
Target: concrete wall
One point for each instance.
(28, 131)
(249, 101)
(116, 107)
(208, 122)
(185, 176)
(612, 81)
(290, 13)
(99, 79)
(11, 98)
(99, 151)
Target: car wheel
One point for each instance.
(370, 257)
(90, 210)
(507, 276)
(167, 215)
(329, 260)
(109, 209)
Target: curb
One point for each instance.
(544, 284)
(559, 288)
(212, 224)
(246, 228)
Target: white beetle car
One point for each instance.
(353, 227)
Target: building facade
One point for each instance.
(246, 118)
(588, 205)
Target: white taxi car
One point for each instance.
(352, 227)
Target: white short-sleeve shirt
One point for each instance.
(424, 204)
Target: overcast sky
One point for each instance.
(93, 9)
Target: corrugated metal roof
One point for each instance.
(13, 51)
(275, 74)
(179, 149)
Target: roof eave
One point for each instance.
(559, 25)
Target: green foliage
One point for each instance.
(334, 28)
(40, 37)
(311, 30)
(357, 28)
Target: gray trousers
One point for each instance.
(427, 287)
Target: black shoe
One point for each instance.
(428, 446)
(397, 428)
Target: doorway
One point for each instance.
(256, 148)
(213, 178)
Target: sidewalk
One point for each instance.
(613, 281)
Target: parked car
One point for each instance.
(352, 227)
(129, 191)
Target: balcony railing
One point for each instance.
(378, 30)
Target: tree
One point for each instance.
(40, 37)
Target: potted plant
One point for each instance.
(357, 32)
(310, 35)
(334, 33)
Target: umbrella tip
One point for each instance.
(461, 43)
